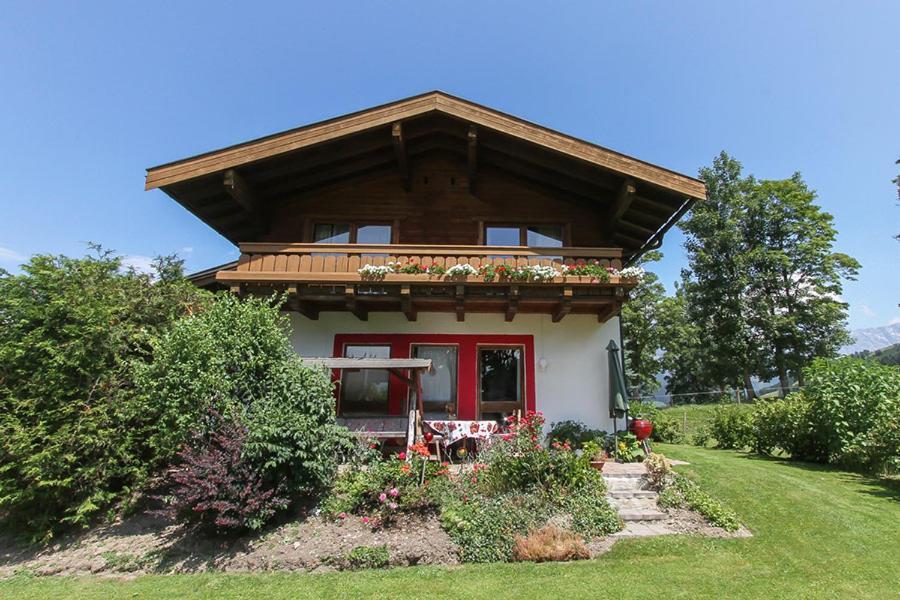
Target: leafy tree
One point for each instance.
(683, 353)
(70, 331)
(718, 275)
(795, 283)
(640, 332)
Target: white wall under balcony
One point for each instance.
(574, 384)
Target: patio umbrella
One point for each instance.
(618, 403)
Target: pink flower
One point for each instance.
(392, 505)
(394, 492)
(402, 456)
(342, 516)
(382, 497)
(365, 520)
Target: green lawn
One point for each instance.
(818, 533)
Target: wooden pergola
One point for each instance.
(414, 368)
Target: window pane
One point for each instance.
(439, 386)
(365, 392)
(373, 234)
(545, 236)
(501, 374)
(501, 236)
(331, 233)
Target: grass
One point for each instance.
(818, 533)
(692, 417)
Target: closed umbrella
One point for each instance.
(618, 397)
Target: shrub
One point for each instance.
(667, 430)
(782, 425)
(658, 469)
(854, 413)
(216, 488)
(72, 428)
(575, 433)
(383, 488)
(679, 491)
(549, 543)
(731, 427)
(369, 557)
(236, 358)
(485, 527)
(625, 447)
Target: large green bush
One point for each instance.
(854, 413)
(236, 358)
(848, 414)
(71, 422)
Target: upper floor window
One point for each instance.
(543, 236)
(352, 233)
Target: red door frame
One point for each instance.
(467, 363)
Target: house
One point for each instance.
(365, 220)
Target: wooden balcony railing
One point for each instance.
(333, 263)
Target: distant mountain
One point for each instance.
(874, 338)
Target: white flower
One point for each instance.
(540, 272)
(462, 270)
(377, 271)
(630, 273)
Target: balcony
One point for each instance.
(411, 278)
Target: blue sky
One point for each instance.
(93, 93)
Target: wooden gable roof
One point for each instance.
(225, 187)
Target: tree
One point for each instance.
(71, 330)
(641, 338)
(717, 275)
(795, 283)
(683, 351)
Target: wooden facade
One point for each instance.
(439, 174)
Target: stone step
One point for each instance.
(633, 503)
(641, 515)
(625, 484)
(632, 494)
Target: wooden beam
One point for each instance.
(512, 305)
(239, 191)
(400, 152)
(460, 292)
(472, 157)
(236, 289)
(352, 304)
(619, 206)
(304, 307)
(406, 304)
(607, 312)
(564, 306)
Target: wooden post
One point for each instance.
(417, 377)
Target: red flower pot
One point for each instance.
(641, 428)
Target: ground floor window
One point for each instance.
(475, 376)
(440, 385)
(364, 393)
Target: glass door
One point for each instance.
(500, 381)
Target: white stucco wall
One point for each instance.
(574, 384)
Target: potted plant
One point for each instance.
(595, 454)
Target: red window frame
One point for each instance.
(467, 366)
